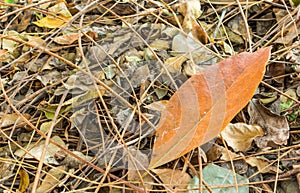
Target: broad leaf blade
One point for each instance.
(206, 103)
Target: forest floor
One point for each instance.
(84, 84)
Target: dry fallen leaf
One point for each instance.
(174, 64)
(54, 22)
(191, 10)
(52, 179)
(6, 167)
(51, 22)
(239, 136)
(263, 165)
(294, 54)
(288, 34)
(219, 152)
(173, 178)
(7, 120)
(276, 126)
(137, 162)
(36, 150)
(157, 105)
(24, 181)
(66, 39)
(206, 103)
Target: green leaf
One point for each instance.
(9, 1)
(217, 176)
(288, 104)
(294, 3)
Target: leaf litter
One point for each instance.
(97, 77)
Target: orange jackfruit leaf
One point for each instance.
(206, 103)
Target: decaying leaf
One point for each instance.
(190, 68)
(83, 98)
(73, 162)
(183, 44)
(50, 109)
(291, 185)
(206, 103)
(160, 44)
(239, 136)
(276, 70)
(137, 163)
(6, 168)
(275, 126)
(36, 150)
(45, 126)
(7, 120)
(51, 22)
(157, 105)
(174, 178)
(10, 45)
(238, 26)
(52, 179)
(294, 54)
(288, 34)
(294, 3)
(49, 77)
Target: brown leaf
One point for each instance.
(66, 39)
(137, 163)
(52, 179)
(276, 70)
(35, 150)
(206, 103)
(192, 10)
(263, 165)
(239, 136)
(199, 33)
(7, 120)
(287, 34)
(294, 54)
(157, 105)
(219, 152)
(275, 126)
(6, 167)
(174, 64)
(238, 26)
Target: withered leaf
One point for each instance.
(276, 126)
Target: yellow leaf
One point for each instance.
(61, 11)
(51, 22)
(24, 181)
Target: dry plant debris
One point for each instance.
(149, 96)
